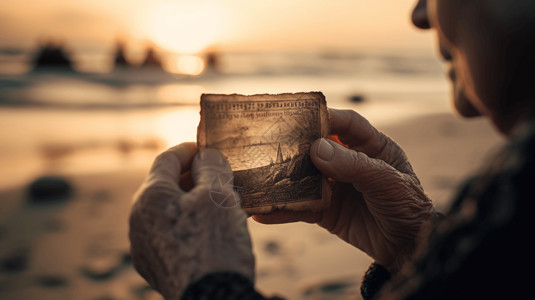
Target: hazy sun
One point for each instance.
(186, 27)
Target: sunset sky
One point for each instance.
(190, 26)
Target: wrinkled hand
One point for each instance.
(177, 236)
(378, 204)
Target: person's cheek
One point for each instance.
(445, 16)
(462, 104)
(463, 100)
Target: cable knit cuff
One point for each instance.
(374, 278)
(222, 285)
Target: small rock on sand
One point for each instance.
(15, 262)
(49, 189)
(357, 98)
(272, 247)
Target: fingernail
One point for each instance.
(212, 156)
(325, 150)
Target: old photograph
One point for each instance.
(266, 139)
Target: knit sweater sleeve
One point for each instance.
(223, 286)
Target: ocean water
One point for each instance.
(78, 123)
(56, 120)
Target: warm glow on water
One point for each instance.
(177, 126)
(78, 141)
(180, 93)
(185, 64)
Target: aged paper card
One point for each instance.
(266, 139)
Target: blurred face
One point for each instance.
(486, 45)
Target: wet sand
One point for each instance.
(78, 248)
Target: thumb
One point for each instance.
(210, 165)
(368, 175)
(213, 176)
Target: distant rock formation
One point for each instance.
(212, 62)
(52, 55)
(151, 59)
(119, 56)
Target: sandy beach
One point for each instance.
(77, 248)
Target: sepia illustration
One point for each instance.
(266, 139)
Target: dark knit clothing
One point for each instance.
(481, 249)
(222, 285)
(374, 279)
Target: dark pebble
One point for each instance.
(127, 258)
(49, 189)
(322, 290)
(51, 281)
(334, 287)
(16, 262)
(357, 98)
(272, 248)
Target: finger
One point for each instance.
(168, 166)
(368, 175)
(162, 184)
(281, 217)
(185, 181)
(210, 165)
(213, 179)
(356, 132)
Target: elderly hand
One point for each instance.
(378, 204)
(177, 236)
